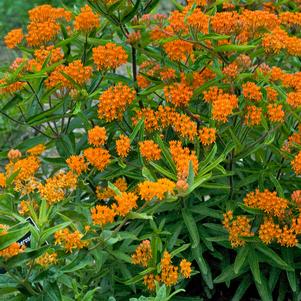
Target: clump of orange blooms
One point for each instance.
(123, 145)
(149, 190)
(113, 102)
(70, 241)
(207, 135)
(14, 38)
(86, 20)
(97, 157)
(110, 56)
(143, 254)
(77, 164)
(150, 150)
(47, 259)
(97, 136)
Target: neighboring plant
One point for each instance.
(166, 154)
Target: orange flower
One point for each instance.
(169, 272)
(269, 231)
(182, 156)
(47, 259)
(77, 164)
(12, 250)
(296, 197)
(179, 94)
(149, 190)
(223, 106)
(178, 50)
(97, 136)
(27, 167)
(113, 102)
(75, 70)
(294, 99)
(123, 145)
(296, 164)
(36, 150)
(207, 135)
(69, 240)
(267, 201)
(126, 201)
(185, 268)
(251, 91)
(103, 194)
(86, 20)
(101, 215)
(143, 254)
(287, 237)
(55, 188)
(13, 38)
(149, 281)
(199, 21)
(150, 150)
(275, 112)
(2, 180)
(272, 94)
(237, 228)
(110, 56)
(97, 157)
(253, 116)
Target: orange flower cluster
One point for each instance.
(97, 136)
(237, 228)
(126, 201)
(107, 193)
(47, 259)
(55, 188)
(149, 190)
(12, 250)
(113, 102)
(86, 20)
(143, 254)
(179, 94)
(253, 115)
(43, 26)
(207, 135)
(199, 21)
(296, 164)
(36, 150)
(275, 113)
(169, 272)
(13, 38)
(77, 164)
(110, 56)
(182, 156)
(268, 231)
(79, 74)
(24, 205)
(223, 104)
(165, 117)
(10, 87)
(42, 54)
(70, 240)
(267, 201)
(179, 50)
(279, 39)
(98, 157)
(150, 150)
(2, 180)
(296, 197)
(251, 91)
(123, 145)
(101, 215)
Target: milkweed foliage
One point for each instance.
(165, 159)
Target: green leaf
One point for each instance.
(129, 16)
(272, 255)
(136, 129)
(13, 236)
(163, 171)
(240, 258)
(191, 227)
(254, 265)
(233, 47)
(137, 215)
(45, 234)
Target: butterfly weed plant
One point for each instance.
(166, 153)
